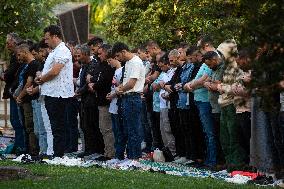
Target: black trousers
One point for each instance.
(190, 132)
(174, 123)
(56, 112)
(244, 122)
(220, 154)
(156, 132)
(94, 142)
(71, 126)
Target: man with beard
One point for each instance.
(9, 76)
(89, 109)
(26, 80)
(242, 100)
(100, 85)
(56, 82)
(94, 45)
(131, 104)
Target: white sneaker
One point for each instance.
(143, 145)
(176, 158)
(92, 156)
(181, 160)
(113, 161)
(188, 161)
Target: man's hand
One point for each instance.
(18, 100)
(91, 87)
(281, 84)
(118, 90)
(74, 81)
(168, 88)
(178, 86)
(30, 90)
(156, 87)
(211, 86)
(38, 80)
(207, 85)
(77, 94)
(239, 90)
(187, 87)
(145, 89)
(219, 88)
(247, 78)
(110, 96)
(148, 80)
(2, 76)
(88, 78)
(165, 96)
(162, 84)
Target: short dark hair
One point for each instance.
(245, 53)
(205, 39)
(152, 43)
(165, 59)
(109, 54)
(15, 37)
(85, 49)
(53, 30)
(72, 43)
(118, 47)
(209, 55)
(30, 42)
(95, 41)
(27, 42)
(35, 47)
(183, 45)
(135, 50)
(23, 47)
(142, 48)
(191, 50)
(42, 44)
(105, 47)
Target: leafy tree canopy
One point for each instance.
(26, 17)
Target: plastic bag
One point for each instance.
(158, 156)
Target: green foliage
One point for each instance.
(265, 28)
(26, 17)
(170, 22)
(100, 11)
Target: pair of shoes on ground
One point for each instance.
(262, 181)
(182, 160)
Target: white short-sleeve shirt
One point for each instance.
(62, 85)
(115, 83)
(135, 69)
(167, 77)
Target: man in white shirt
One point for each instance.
(57, 86)
(131, 88)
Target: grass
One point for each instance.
(74, 177)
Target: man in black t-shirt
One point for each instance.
(100, 85)
(40, 117)
(26, 79)
(9, 76)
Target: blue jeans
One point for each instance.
(39, 128)
(207, 120)
(119, 139)
(20, 140)
(131, 106)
